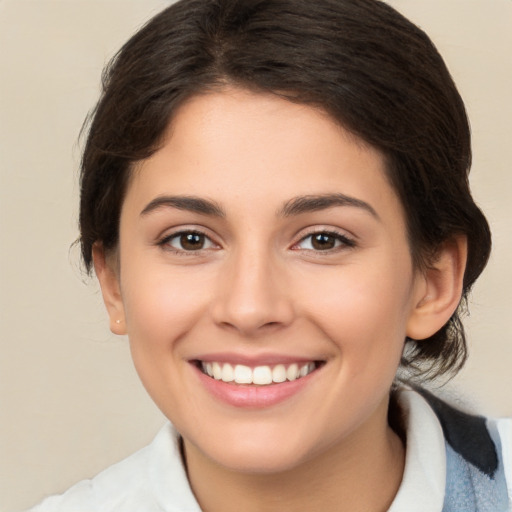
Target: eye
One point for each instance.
(188, 241)
(324, 241)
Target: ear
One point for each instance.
(108, 275)
(439, 290)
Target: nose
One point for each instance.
(252, 294)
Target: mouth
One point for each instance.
(262, 375)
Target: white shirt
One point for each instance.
(154, 479)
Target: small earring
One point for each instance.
(118, 321)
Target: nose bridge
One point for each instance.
(252, 291)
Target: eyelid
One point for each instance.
(346, 241)
(163, 240)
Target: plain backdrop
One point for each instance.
(70, 401)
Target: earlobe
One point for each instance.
(108, 277)
(440, 292)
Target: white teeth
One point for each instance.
(207, 368)
(279, 373)
(303, 370)
(260, 375)
(293, 372)
(228, 374)
(243, 374)
(217, 371)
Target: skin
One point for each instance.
(260, 288)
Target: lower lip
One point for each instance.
(253, 396)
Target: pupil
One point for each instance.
(192, 241)
(323, 241)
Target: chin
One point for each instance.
(262, 462)
(255, 450)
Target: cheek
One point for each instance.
(161, 309)
(161, 305)
(364, 310)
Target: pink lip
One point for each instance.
(252, 396)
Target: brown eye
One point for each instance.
(323, 241)
(192, 241)
(189, 241)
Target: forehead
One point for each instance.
(234, 145)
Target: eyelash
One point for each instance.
(165, 242)
(341, 242)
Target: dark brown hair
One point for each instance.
(361, 61)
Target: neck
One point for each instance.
(355, 475)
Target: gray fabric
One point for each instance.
(470, 490)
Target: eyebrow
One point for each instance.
(189, 203)
(313, 203)
(295, 206)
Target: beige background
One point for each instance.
(70, 402)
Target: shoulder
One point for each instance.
(152, 479)
(467, 434)
(478, 454)
(115, 488)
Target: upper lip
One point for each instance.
(254, 360)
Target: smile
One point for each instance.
(258, 375)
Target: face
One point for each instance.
(265, 281)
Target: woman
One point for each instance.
(275, 201)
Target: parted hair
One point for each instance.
(373, 71)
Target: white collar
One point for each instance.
(424, 480)
(167, 474)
